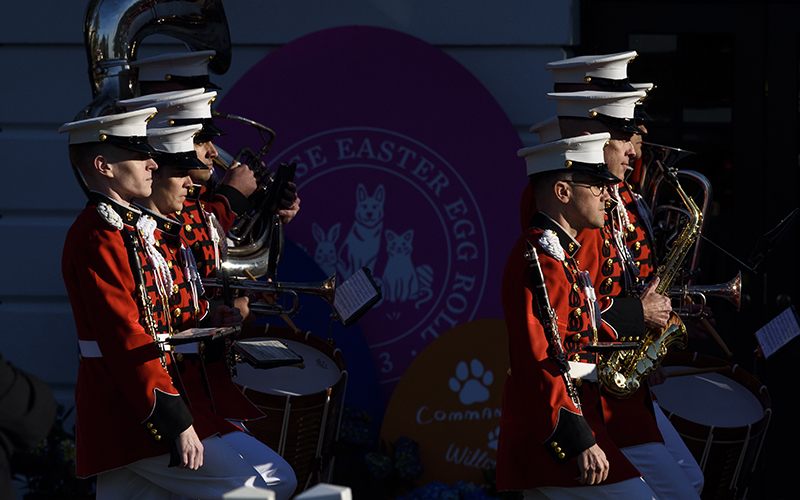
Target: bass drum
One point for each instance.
(722, 413)
(303, 404)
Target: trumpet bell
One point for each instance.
(325, 289)
(730, 291)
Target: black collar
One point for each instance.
(568, 243)
(165, 225)
(128, 213)
(194, 192)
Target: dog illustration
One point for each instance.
(362, 244)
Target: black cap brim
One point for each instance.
(210, 129)
(208, 125)
(621, 124)
(188, 160)
(138, 144)
(598, 171)
(607, 177)
(640, 115)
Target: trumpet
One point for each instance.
(731, 291)
(325, 289)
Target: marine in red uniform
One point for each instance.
(550, 438)
(134, 420)
(127, 406)
(631, 421)
(615, 278)
(204, 369)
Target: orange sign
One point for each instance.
(448, 401)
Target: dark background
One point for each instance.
(727, 89)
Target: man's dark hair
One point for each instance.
(544, 181)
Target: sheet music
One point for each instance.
(269, 350)
(267, 353)
(202, 334)
(778, 332)
(356, 292)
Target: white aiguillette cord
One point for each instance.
(192, 275)
(163, 278)
(620, 234)
(591, 301)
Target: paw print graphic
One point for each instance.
(471, 382)
(493, 436)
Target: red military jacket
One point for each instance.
(205, 375)
(195, 233)
(226, 205)
(128, 405)
(639, 234)
(599, 256)
(541, 428)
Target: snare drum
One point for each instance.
(303, 404)
(722, 416)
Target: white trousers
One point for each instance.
(632, 489)
(676, 447)
(660, 471)
(229, 462)
(662, 479)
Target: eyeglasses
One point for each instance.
(596, 189)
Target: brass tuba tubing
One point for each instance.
(325, 289)
(113, 30)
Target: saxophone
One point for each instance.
(621, 372)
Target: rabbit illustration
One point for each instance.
(325, 253)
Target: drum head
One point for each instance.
(710, 399)
(318, 373)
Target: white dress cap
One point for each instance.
(175, 146)
(182, 64)
(587, 103)
(153, 99)
(646, 87)
(195, 107)
(639, 113)
(102, 128)
(583, 153)
(173, 139)
(548, 130)
(583, 69)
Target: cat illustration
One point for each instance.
(362, 244)
(399, 278)
(325, 254)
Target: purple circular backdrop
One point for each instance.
(405, 164)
